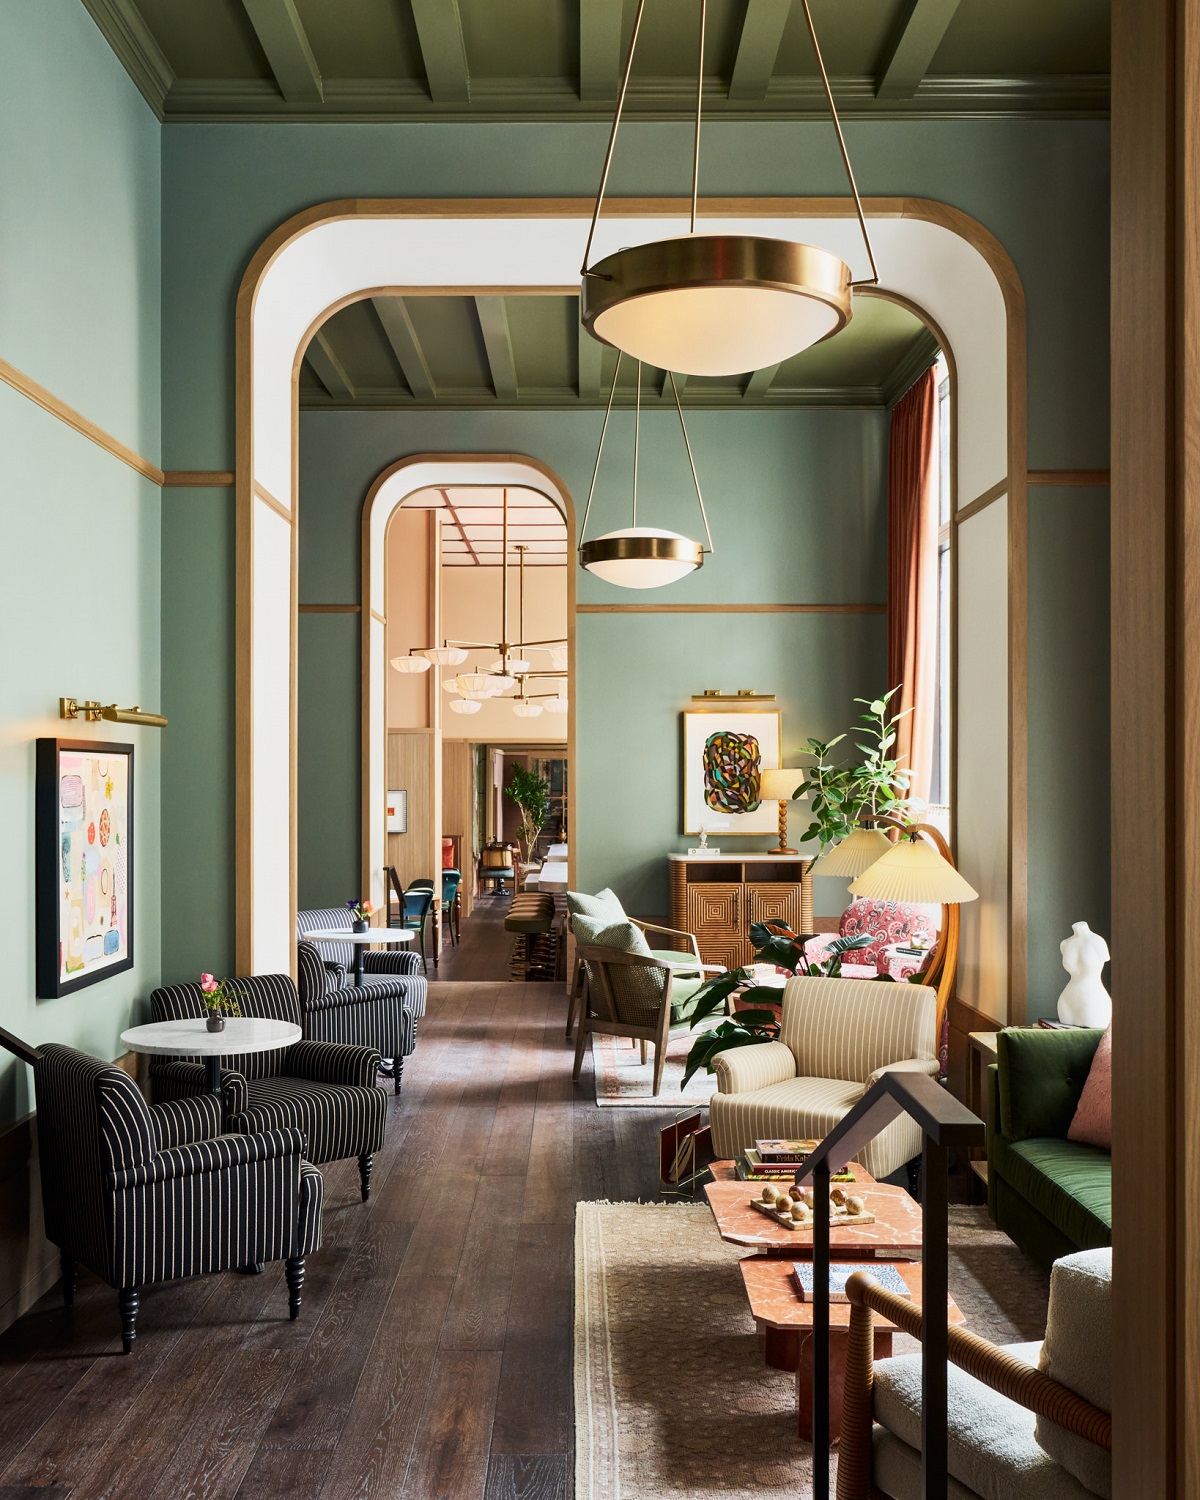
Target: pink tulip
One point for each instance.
(208, 984)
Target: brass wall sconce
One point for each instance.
(93, 712)
(743, 695)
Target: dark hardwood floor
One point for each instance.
(432, 1358)
(483, 949)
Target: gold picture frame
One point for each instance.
(699, 725)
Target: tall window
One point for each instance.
(939, 788)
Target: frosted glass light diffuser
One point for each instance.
(716, 304)
(641, 557)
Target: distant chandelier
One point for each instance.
(510, 669)
(717, 304)
(641, 557)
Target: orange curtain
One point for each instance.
(912, 575)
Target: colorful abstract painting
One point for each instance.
(84, 863)
(725, 752)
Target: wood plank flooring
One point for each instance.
(432, 1358)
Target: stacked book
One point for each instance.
(777, 1160)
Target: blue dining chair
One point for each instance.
(412, 909)
(452, 902)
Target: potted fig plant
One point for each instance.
(843, 795)
(531, 793)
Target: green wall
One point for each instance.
(79, 608)
(1040, 186)
(798, 505)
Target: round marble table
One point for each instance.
(359, 939)
(191, 1038)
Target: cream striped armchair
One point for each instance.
(837, 1037)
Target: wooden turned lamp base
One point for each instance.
(784, 847)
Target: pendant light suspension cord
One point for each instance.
(612, 141)
(873, 279)
(599, 452)
(637, 426)
(691, 463)
(699, 101)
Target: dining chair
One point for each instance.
(452, 902)
(412, 909)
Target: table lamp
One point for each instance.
(780, 785)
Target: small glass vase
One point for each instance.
(360, 924)
(215, 1021)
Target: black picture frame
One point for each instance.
(48, 878)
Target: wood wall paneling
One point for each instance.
(458, 805)
(408, 768)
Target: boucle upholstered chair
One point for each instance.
(140, 1194)
(837, 1037)
(325, 1090)
(1023, 1420)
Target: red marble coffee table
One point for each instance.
(896, 1230)
(787, 1323)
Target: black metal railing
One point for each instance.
(18, 1048)
(946, 1125)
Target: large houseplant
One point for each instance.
(841, 795)
(531, 793)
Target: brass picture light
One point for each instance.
(93, 712)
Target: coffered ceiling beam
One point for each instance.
(497, 341)
(911, 48)
(328, 368)
(758, 47)
(759, 383)
(440, 33)
(599, 49)
(281, 35)
(591, 354)
(402, 336)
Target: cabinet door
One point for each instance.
(715, 916)
(773, 902)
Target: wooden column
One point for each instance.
(1155, 746)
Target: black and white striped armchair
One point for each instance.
(393, 973)
(323, 1089)
(143, 1193)
(381, 1012)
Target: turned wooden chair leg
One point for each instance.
(128, 1302)
(70, 1271)
(397, 1069)
(294, 1271)
(365, 1163)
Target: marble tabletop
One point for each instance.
(191, 1038)
(775, 1302)
(897, 1225)
(372, 935)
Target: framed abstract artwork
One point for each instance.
(84, 863)
(397, 812)
(725, 751)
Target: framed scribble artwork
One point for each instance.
(84, 858)
(725, 752)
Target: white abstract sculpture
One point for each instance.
(1084, 1001)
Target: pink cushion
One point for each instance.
(888, 923)
(1092, 1124)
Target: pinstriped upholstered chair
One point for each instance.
(141, 1194)
(392, 973)
(323, 1089)
(837, 1037)
(380, 1013)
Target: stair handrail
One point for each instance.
(946, 1125)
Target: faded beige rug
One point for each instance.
(672, 1398)
(623, 1079)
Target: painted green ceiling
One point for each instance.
(410, 352)
(559, 59)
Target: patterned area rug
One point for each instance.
(622, 1079)
(672, 1397)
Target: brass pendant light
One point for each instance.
(717, 304)
(641, 557)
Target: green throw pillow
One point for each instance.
(602, 932)
(605, 904)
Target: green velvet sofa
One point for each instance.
(1050, 1195)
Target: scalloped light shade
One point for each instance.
(559, 705)
(515, 664)
(913, 870)
(446, 656)
(558, 658)
(526, 710)
(410, 664)
(502, 684)
(476, 685)
(465, 706)
(856, 853)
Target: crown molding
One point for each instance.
(563, 398)
(125, 31)
(918, 357)
(406, 100)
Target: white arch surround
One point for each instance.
(939, 259)
(387, 494)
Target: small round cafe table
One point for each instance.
(359, 939)
(191, 1037)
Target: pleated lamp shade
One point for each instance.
(914, 871)
(856, 853)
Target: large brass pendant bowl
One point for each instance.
(716, 304)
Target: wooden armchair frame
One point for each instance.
(1011, 1377)
(596, 991)
(576, 999)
